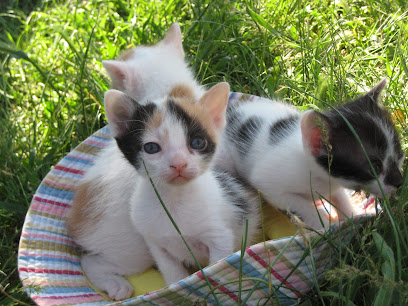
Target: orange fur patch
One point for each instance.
(79, 218)
(155, 121)
(182, 91)
(199, 113)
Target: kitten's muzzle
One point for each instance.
(394, 177)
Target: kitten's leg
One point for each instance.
(344, 206)
(220, 246)
(170, 267)
(106, 276)
(303, 208)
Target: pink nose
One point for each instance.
(179, 167)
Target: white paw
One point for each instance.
(118, 289)
(316, 223)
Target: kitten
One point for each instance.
(292, 157)
(177, 140)
(99, 217)
(147, 72)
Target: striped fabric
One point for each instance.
(49, 266)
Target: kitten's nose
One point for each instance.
(179, 167)
(394, 177)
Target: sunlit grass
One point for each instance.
(52, 83)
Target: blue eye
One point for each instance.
(151, 148)
(198, 143)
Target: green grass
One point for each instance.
(52, 83)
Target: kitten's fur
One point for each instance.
(147, 72)
(99, 218)
(286, 154)
(208, 206)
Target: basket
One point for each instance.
(49, 260)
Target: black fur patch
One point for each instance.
(246, 134)
(233, 188)
(348, 158)
(393, 176)
(193, 128)
(282, 129)
(131, 142)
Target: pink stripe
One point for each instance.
(42, 236)
(50, 271)
(99, 144)
(71, 170)
(372, 200)
(65, 186)
(70, 300)
(55, 211)
(221, 288)
(52, 283)
(273, 272)
(42, 200)
(56, 297)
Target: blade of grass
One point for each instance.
(179, 232)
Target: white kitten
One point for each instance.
(177, 140)
(292, 157)
(146, 73)
(99, 218)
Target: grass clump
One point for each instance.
(52, 85)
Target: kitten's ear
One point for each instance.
(314, 128)
(216, 101)
(375, 93)
(118, 73)
(173, 38)
(119, 109)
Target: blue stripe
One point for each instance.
(64, 174)
(143, 299)
(249, 271)
(77, 160)
(101, 138)
(66, 290)
(55, 192)
(51, 222)
(184, 285)
(48, 259)
(299, 244)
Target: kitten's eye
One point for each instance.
(151, 148)
(377, 165)
(198, 143)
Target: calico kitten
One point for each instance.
(293, 157)
(99, 217)
(176, 140)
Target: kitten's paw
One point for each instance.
(118, 289)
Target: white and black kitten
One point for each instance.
(294, 158)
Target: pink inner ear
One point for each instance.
(219, 121)
(311, 133)
(117, 73)
(315, 143)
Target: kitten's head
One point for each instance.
(176, 138)
(138, 71)
(327, 136)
